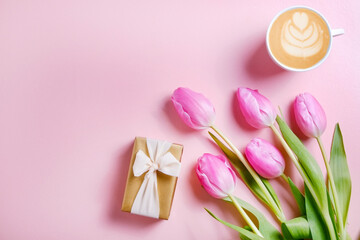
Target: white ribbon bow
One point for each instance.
(147, 199)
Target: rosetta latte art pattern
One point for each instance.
(301, 37)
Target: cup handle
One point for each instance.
(337, 32)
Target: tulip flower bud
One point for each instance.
(309, 115)
(265, 158)
(216, 175)
(193, 108)
(257, 109)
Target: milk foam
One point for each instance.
(301, 37)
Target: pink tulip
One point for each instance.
(216, 175)
(257, 109)
(265, 158)
(193, 108)
(309, 115)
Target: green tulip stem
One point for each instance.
(333, 188)
(291, 154)
(277, 210)
(294, 159)
(245, 216)
(283, 176)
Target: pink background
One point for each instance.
(80, 79)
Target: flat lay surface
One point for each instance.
(79, 80)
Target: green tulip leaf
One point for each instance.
(247, 228)
(246, 176)
(296, 228)
(242, 237)
(332, 215)
(265, 227)
(300, 199)
(317, 226)
(242, 231)
(309, 165)
(271, 191)
(341, 174)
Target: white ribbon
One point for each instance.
(147, 199)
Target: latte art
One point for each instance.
(300, 38)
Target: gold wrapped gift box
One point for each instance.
(166, 184)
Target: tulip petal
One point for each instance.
(193, 108)
(216, 175)
(257, 109)
(309, 115)
(184, 115)
(209, 187)
(265, 158)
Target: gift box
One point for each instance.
(151, 182)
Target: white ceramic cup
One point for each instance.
(333, 33)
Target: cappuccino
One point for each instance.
(299, 38)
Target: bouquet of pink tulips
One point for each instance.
(324, 204)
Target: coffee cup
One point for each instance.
(299, 38)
